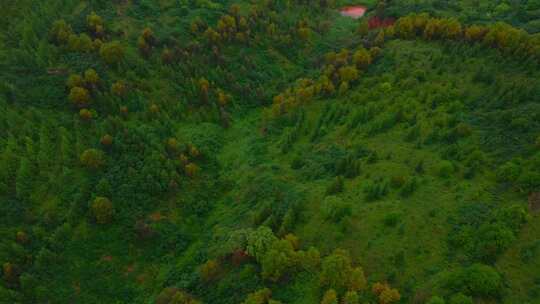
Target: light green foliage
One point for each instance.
(112, 52)
(351, 297)
(102, 209)
(259, 242)
(278, 260)
(330, 297)
(336, 270)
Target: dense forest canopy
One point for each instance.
(274, 151)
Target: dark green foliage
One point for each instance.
(460, 298)
(392, 219)
(335, 209)
(23, 181)
(374, 190)
(409, 186)
(336, 186)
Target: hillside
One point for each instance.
(270, 152)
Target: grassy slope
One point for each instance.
(414, 250)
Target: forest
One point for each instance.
(270, 151)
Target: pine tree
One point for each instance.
(23, 181)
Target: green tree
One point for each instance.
(60, 32)
(460, 298)
(102, 209)
(436, 300)
(92, 158)
(330, 297)
(119, 88)
(112, 52)
(357, 281)
(74, 80)
(351, 297)
(23, 182)
(209, 270)
(336, 270)
(95, 24)
(259, 242)
(91, 78)
(79, 96)
(259, 297)
(46, 153)
(280, 259)
(362, 58)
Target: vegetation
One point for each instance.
(267, 152)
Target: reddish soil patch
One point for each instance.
(156, 216)
(354, 12)
(377, 22)
(107, 258)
